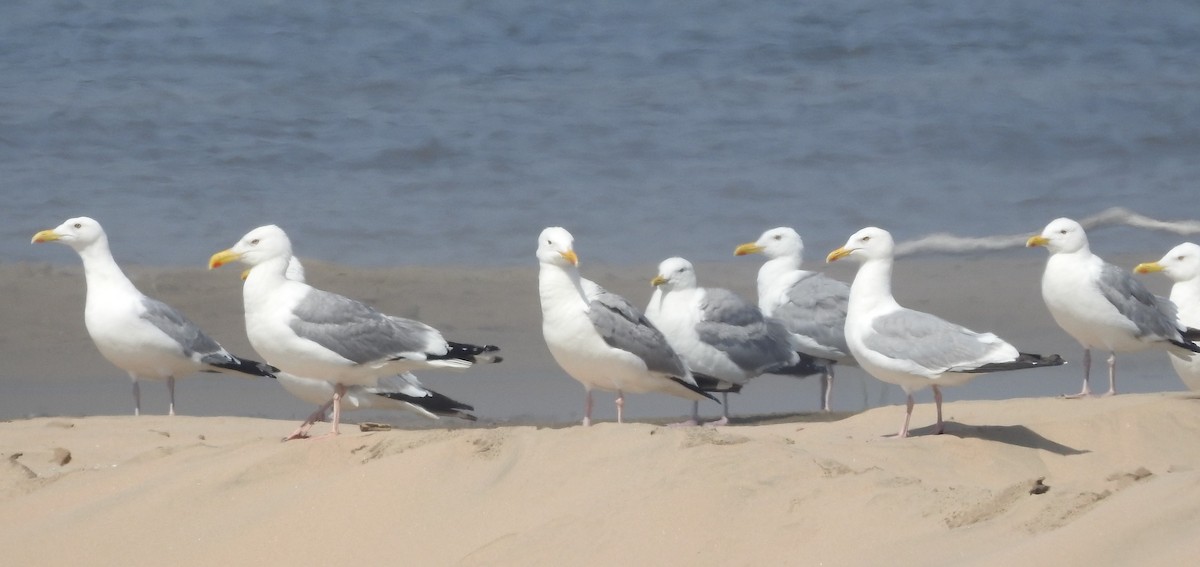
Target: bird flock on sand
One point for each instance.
(690, 341)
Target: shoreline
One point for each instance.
(52, 368)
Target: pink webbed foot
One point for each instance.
(718, 422)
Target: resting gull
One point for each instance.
(1101, 305)
(910, 348)
(715, 331)
(598, 337)
(145, 337)
(810, 304)
(321, 335)
(399, 392)
(1182, 265)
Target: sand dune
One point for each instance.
(1122, 476)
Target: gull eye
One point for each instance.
(78, 225)
(778, 237)
(1063, 231)
(254, 242)
(1181, 258)
(866, 238)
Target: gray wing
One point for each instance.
(358, 332)
(926, 341)
(737, 328)
(1153, 316)
(816, 309)
(623, 326)
(189, 336)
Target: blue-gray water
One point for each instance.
(451, 132)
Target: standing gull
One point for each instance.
(599, 338)
(1101, 305)
(321, 335)
(811, 305)
(715, 331)
(909, 348)
(145, 337)
(1182, 265)
(399, 392)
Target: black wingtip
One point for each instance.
(470, 353)
(244, 366)
(435, 403)
(806, 366)
(1024, 361)
(1191, 334)
(712, 384)
(1189, 345)
(695, 388)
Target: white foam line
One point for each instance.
(948, 243)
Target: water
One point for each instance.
(441, 132)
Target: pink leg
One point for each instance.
(338, 391)
(827, 388)
(937, 399)
(907, 416)
(171, 393)
(137, 396)
(587, 408)
(1112, 374)
(1087, 369)
(302, 431)
(620, 406)
(724, 412)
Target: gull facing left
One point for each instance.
(1103, 306)
(912, 349)
(1182, 265)
(316, 334)
(716, 332)
(141, 335)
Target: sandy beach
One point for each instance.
(83, 482)
(1119, 485)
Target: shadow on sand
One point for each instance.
(1017, 435)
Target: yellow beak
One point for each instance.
(223, 257)
(44, 236)
(838, 254)
(571, 257)
(747, 248)
(1036, 240)
(246, 273)
(657, 281)
(1148, 267)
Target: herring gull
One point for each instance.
(715, 331)
(1182, 265)
(143, 336)
(316, 334)
(598, 337)
(399, 392)
(910, 348)
(810, 304)
(1103, 306)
